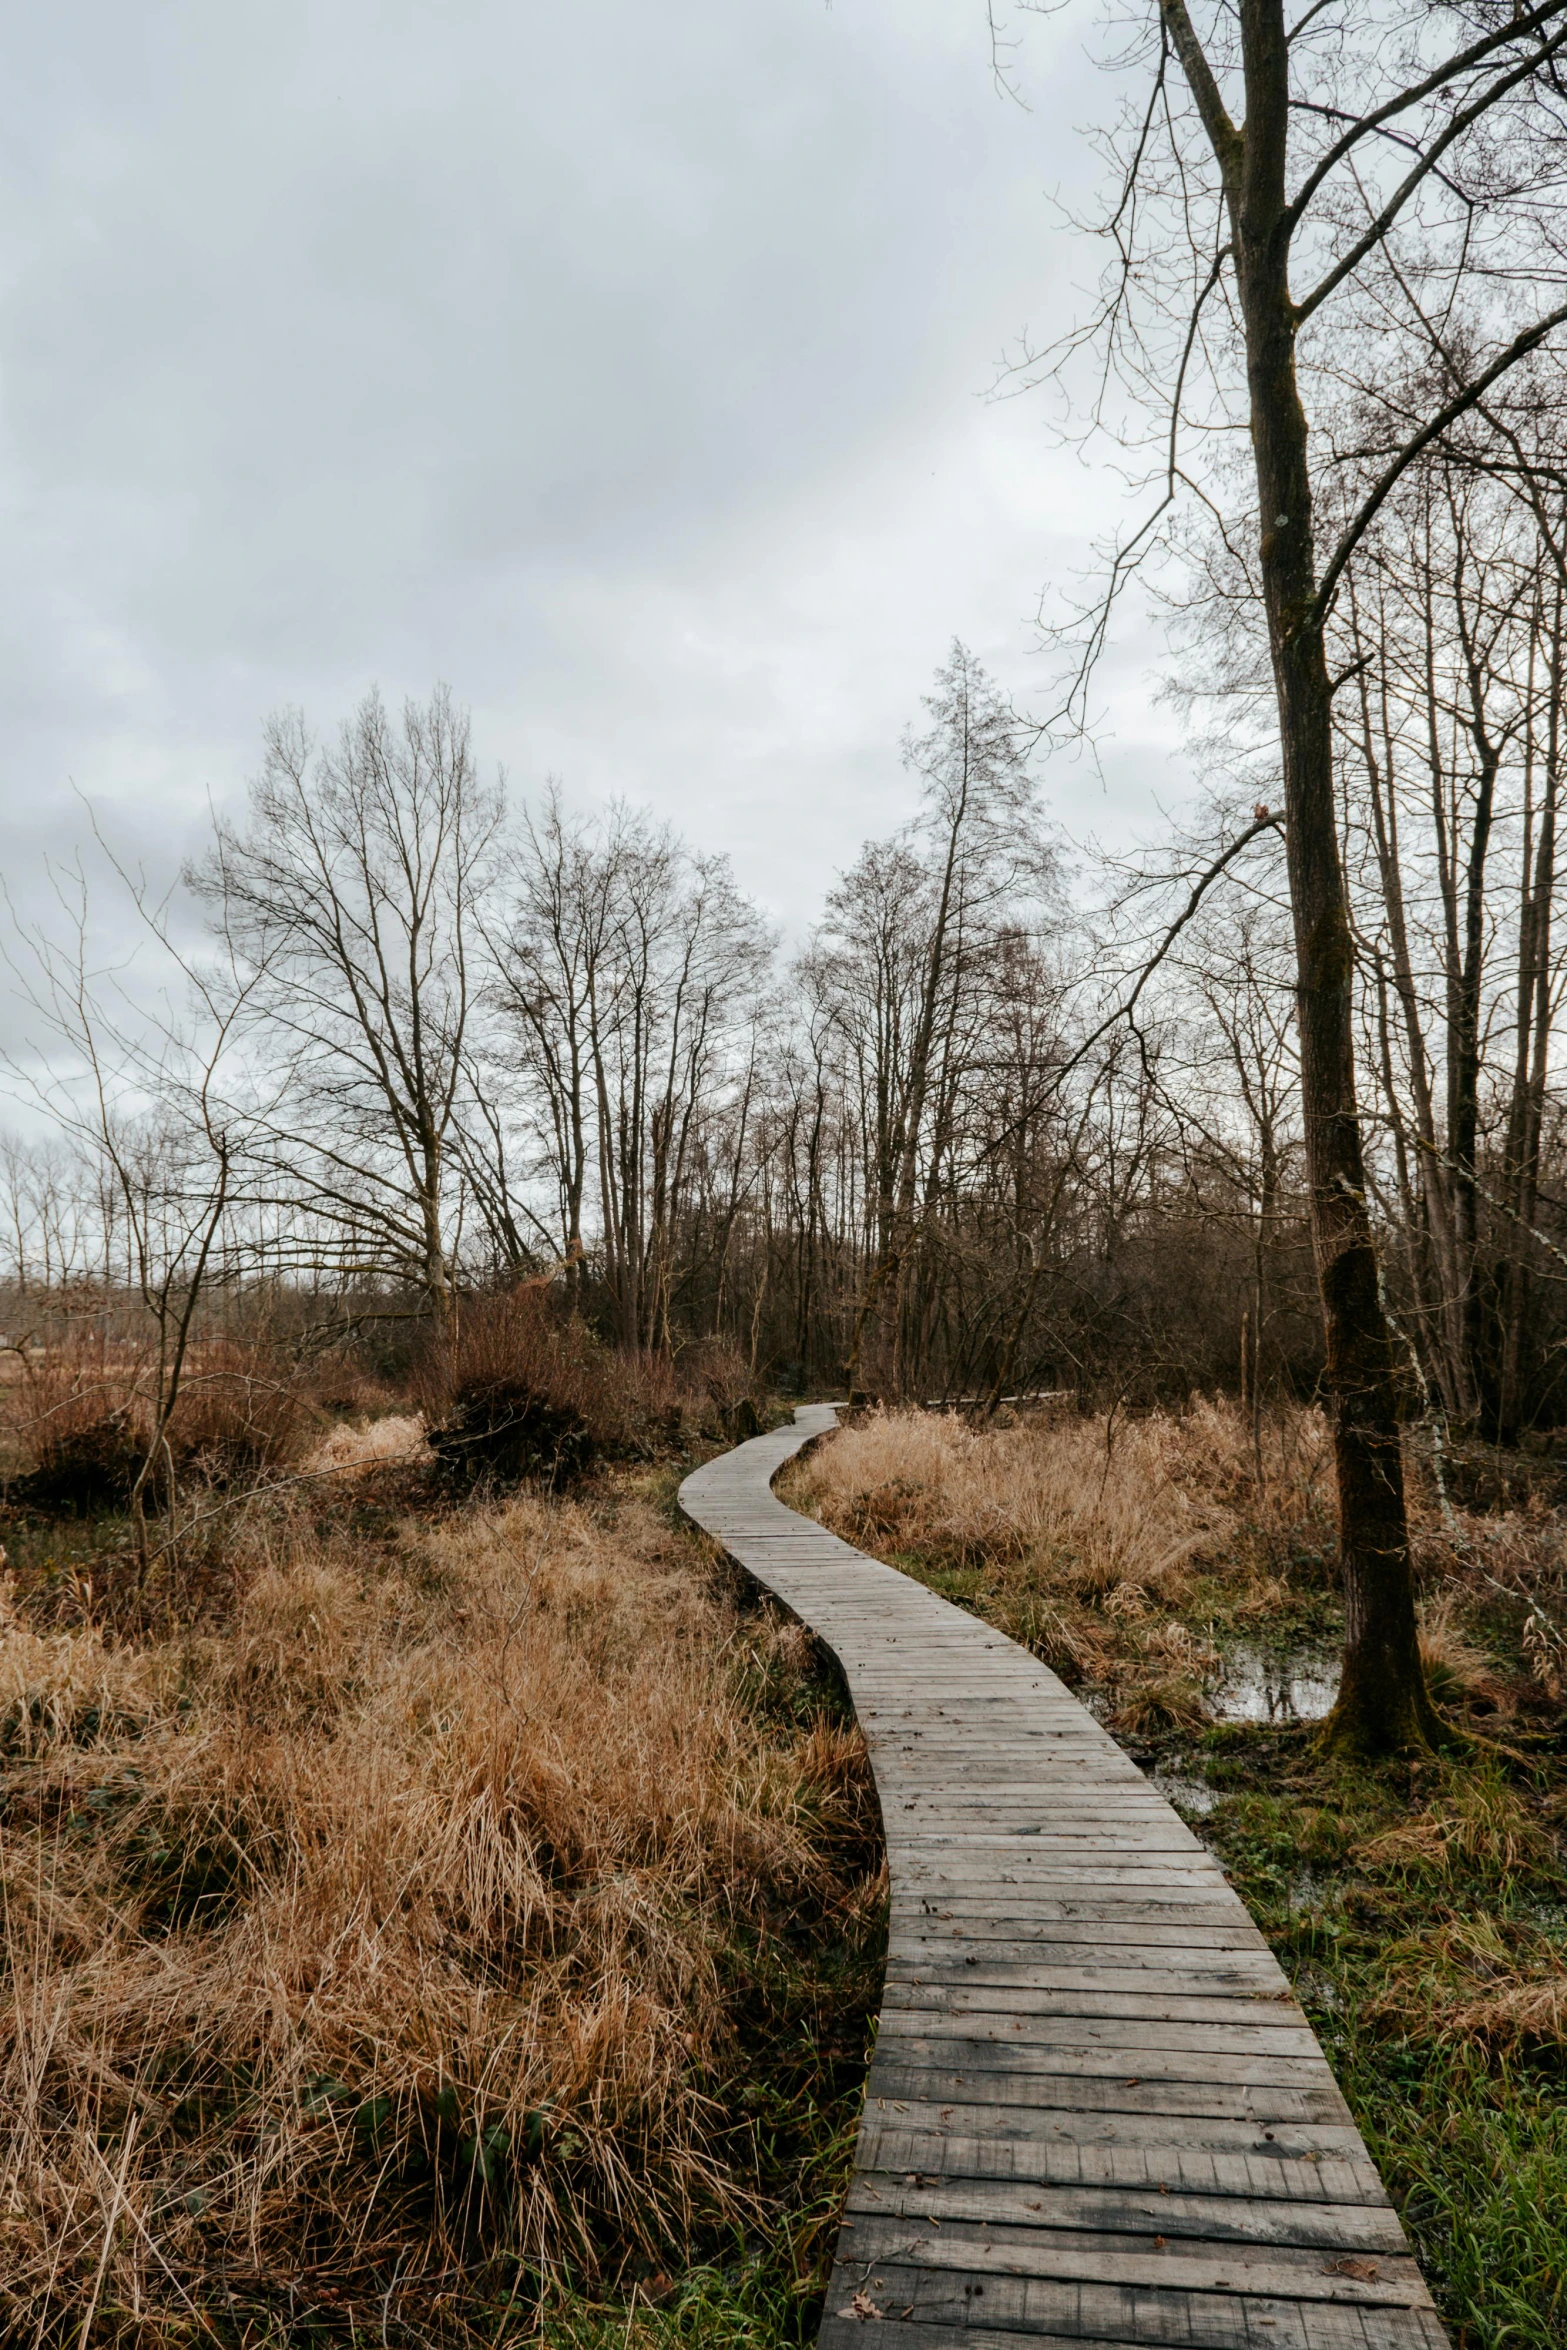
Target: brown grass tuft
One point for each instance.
(1478, 1820)
(399, 1921)
(394, 1438)
(1530, 2008)
(1475, 1980)
(519, 1387)
(1169, 1701)
(1458, 1671)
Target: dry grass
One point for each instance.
(1528, 2010)
(397, 1437)
(1126, 1552)
(1471, 1982)
(396, 1924)
(1128, 1509)
(1515, 1555)
(1458, 1670)
(1085, 1537)
(1480, 1821)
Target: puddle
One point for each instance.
(1260, 1685)
(1186, 1794)
(1251, 1684)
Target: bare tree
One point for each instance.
(154, 1099)
(1403, 163)
(976, 848)
(549, 940)
(1449, 759)
(624, 973)
(350, 899)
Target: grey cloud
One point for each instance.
(617, 365)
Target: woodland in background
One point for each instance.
(1013, 1120)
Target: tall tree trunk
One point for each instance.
(1383, 1705)
(1464, 1106)
(436, 1274)
(1430, 1231)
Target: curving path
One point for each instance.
(1095, 2112)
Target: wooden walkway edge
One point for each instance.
(1095, 2113)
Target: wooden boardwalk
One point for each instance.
(1095, 2112)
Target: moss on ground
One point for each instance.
(1422, 1917)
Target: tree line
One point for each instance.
(1007, 1121)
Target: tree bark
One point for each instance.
(1383, 1706)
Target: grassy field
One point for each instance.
(1421, 1912)
(424, 1923)
(444, 1921)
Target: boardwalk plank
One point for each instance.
(1112, 2210)
(1096, 2115)
(1055, 2027)
(899, 2157)
(1313, 2272)
(1064, 1991)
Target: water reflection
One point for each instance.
(1263, 1685)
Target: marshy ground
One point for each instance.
(1178, 1571)
(432, 1919)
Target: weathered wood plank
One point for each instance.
(1096, 2087)
(1284, 2168)
(1168, 1998)
(1084, 2112)
(1096, 2115)
(1242, 2034)
(1154, 2208)
(963, 1922)
(1291, 2271)
(1062, 2317)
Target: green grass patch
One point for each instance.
(1419, 1915)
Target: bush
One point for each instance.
(518, 1389)
(83, 1468)
(240, 1410)
(77, 1433)
(83, 1412)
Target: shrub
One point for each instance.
(83, 1413)
(83, 1470)
(240, 1410)
(519, 1389)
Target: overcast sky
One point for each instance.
(623, 366)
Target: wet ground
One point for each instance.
(1187, 1795)
(1269, 1685)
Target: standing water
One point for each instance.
(1268, 1685)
